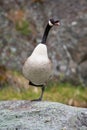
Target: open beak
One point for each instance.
(57, 23)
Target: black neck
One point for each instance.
(44, 38)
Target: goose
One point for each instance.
(38, 67)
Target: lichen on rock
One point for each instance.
(25, 115)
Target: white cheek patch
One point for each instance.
(50, 23)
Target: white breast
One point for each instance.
(38, 67)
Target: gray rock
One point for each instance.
(26, 115)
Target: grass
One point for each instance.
(17, 88)
(64, 93)
(67, 93)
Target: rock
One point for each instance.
(26, 115)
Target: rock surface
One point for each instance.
(67, 45)
(26, 115)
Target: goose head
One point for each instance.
(53, 22)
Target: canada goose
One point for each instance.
(38, 68)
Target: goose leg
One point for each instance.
(41, 96)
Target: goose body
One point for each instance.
(38, 67)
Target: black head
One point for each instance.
(54, 22)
